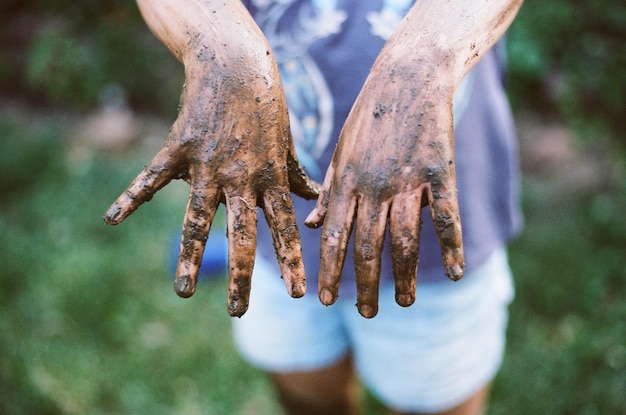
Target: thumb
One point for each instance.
(299, 182)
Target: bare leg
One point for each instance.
(328, 391)
(475, 405)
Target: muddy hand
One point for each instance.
(395, 152)
(230, 142)
(407, 163)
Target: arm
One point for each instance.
(231, 142)
(395, 152)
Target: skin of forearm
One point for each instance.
(452, 34)
(197, 31)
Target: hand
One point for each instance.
(231, 142)
(395, 152)
(394, 156)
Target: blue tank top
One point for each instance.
(324, 50)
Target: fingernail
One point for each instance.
(367, 310)
(298, 289)
(326, 296)
(455, 272)
(405, 300)
(184, 286)
(111, 215)
(237, 307)
(312, 221)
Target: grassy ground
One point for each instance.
(90, 325)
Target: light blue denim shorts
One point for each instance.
(428, 357)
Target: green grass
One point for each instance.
(567, 336)
(89, 320)
(90, 324)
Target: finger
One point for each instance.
(444, 208)
(159, 172)
(334, 240)
(280, 217)
(241, 225)
(201, 206)
(404, 227)
(299, 182)
(369, 234)
(316, 217)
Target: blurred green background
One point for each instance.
(89, 323)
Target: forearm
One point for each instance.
(452, 34)
(221, 32)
